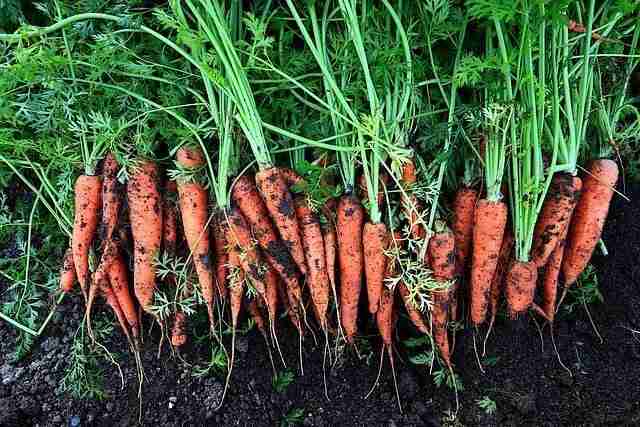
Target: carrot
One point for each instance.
(488, 230)
(317, 277)
(464, 207)
(253, 307)
(550, 278)
(350, 216)
(290, 176)
(555, 216)
(170, 220)
(442, 259)
(271, 294)
(246, 196)
(329, 240)
(219, 235)
(588, 218)
(87, 205)
(520, 286)
(497, 282)
(279, 202)
(178, 332)
(112, 301)
(375, 240)
(146, 226)
(414, 314)
(193, 202)
(119, 280)
(67, 272)
(383, 179)
(250, 260)
(100, 285)
(111, 198)
(410, 204)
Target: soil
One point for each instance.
(525, 378)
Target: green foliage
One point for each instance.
(293, 417)
(584, 292)
(487, 405)
(282, 380)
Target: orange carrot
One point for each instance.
(410, 203)
(194, 202)
(246, 196)
(271, 293)
(279, 202)
(442, 259)
(67, 272)
(178, 332)
(414, 314)
(550, 278)
(87, 205)
(146, 225)
(250, 259)
(555, 216)
(350, 217)
(111, 198)
(290, 176)
(112, 301)
(235, 282)
(317, 277)
(219, 235)
(520, 286)
(464, 207)
(375, 240)
(589, 217)
(488, 231)
(119, 280)
(170, 220)
(497, 283)
(329, 239)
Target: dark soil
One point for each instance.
(527, 382)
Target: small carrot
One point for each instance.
(520, 286)
(219, 235)
(170, 219)
(414, 314)
(350, 217)
(111, 198)
(87, 194)
(67, 272)
(375, 239)
(488, 230)
(555, 216)
(551, 276)
(119, 280)
(250, 260)
(178, 331)
(497, 283)
(588, 218)
(279, 202)
(194, 203)
(410, 204)
(464, 207)
(146, 225)
(290, 176)
(383, 182)
(317, 277)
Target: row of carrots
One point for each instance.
(275, 242)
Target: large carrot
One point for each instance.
(317, 277)
(350, 217)
(442, 259)
(146, 226)
(246, 196)
(194, 203)
(67, 272)
(488, 231)
(87, 194)
(119, 280)
(464, 207)
(555, 216)
(589, 217)
(520, 286)
(279, 202)
(375, 238)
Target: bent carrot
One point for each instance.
(194, 202)
(350, 217)
(550, 278)
(464, 207)
(279, 202)
(520, 286)
(146, 226)
(67, 272)
(414, 314)
(488, 230)
(250, 260)
(317, 277)
(588, 218)
(119, 281)
(87, 194)
(555, 216)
